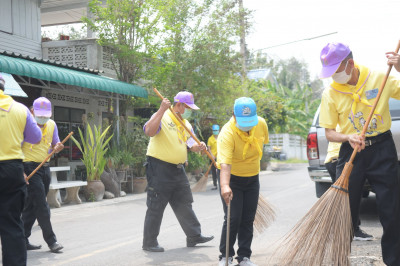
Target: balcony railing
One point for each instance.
(81, 53)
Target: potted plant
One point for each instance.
(196, 164)
(93, 148)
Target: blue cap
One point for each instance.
(215, 127)
(245, 111)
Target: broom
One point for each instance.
(228, 232)
(202, 183)
(324, 234)
(265, 215)
(48, 157)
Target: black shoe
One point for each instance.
(194, 240)
(214, 188)
(56, 247)
(360, 235)
(157, 248)
(29, 246)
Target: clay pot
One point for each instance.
(94, 190)
(139, 184)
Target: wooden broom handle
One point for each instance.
(188, 130)
(48, 157)
(365, 128)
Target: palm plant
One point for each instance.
(93, 148)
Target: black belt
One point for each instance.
(378, 138)
(12, 161)
(37, 164)
(179, 165)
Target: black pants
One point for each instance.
(12, 196)
(331, 167)
(378, 164)
(243, 210)
(167, 184)
(36, 206)
(214, 173)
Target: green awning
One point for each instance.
(23, 67)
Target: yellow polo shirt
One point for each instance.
(333, 151)
(38, 152)
(212, 143)
(230, 149)
(13, 116)
(338, 100)
(166, 145)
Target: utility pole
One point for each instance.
(242, 24)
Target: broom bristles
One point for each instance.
(322, 236)
(265, 215)
(201, 185)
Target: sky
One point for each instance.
(370, 28)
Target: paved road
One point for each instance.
(110, 232)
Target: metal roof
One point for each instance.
(50, 72)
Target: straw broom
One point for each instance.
(48, 157)
(201, 185)
(325, 233)
(265, 215)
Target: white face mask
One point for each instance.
(342, 77)
(187, 114)
(41, 120)
(245, 129)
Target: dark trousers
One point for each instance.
(12, 196)
(214, 173)
(167, 184)
(243, 210)
(36, 206)
(378, 164)
(331, 167)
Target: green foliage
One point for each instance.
(92, 198)
(132, 147)
(299, 106)
(93, 148)
(270, 105)
(196, 161)
(119, 157)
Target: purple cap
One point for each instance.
(332, 56)
(245, 111)
(42, 107)
(186, 98)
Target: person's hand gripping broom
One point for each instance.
(47, 158)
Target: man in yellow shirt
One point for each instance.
(347, 103)
(212, 147)
(165, 172)
(16, 125)
(38, 187)
(240, 146)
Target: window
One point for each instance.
(67, 120)
(6, 16)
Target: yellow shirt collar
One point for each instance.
(5, 101)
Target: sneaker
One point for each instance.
(246, 262)
(360, 235)
(222, 262)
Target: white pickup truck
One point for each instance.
(317, 146)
